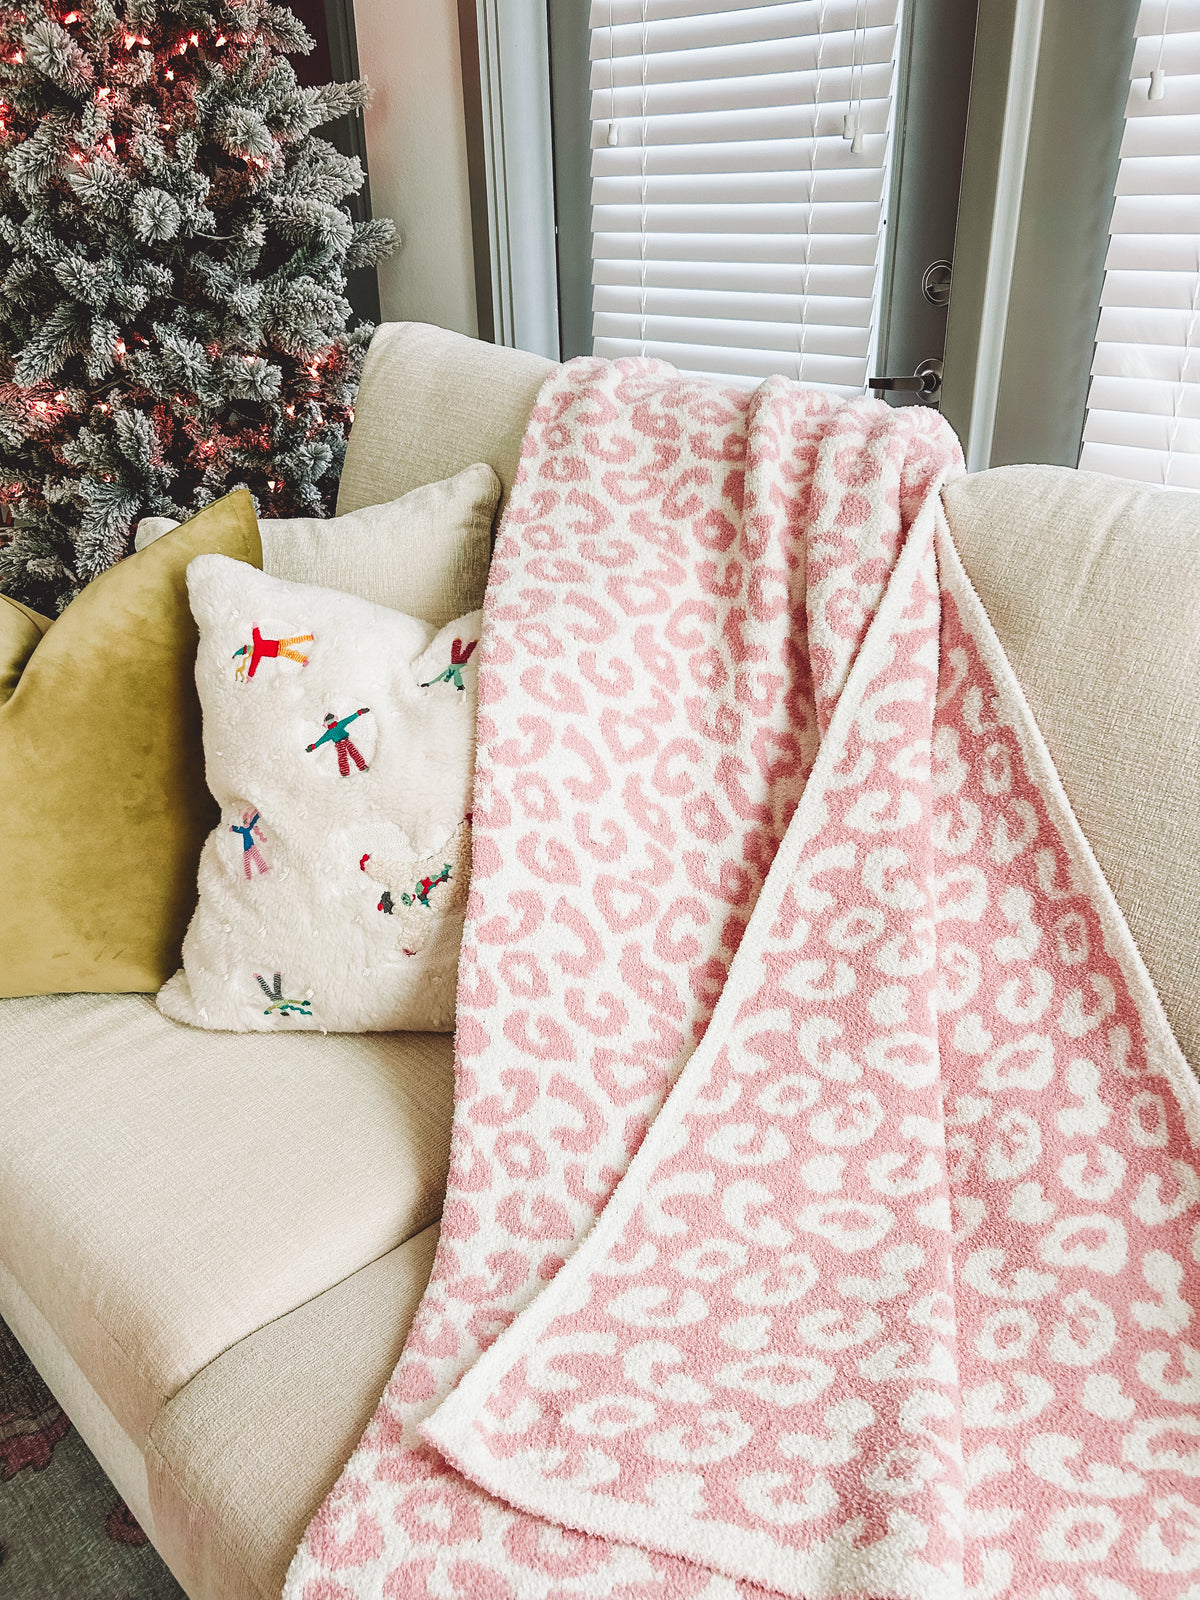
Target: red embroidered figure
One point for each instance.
(250, 831)
(261, 649)
(336, 734)
(458, 660)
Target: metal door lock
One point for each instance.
(926, 381)
(935, 282)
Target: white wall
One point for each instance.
(417, 157)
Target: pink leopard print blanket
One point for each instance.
(823, 1210)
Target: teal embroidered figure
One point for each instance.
(260, 649)
(250, 831)
(336, 734)
(302, 1008)
(458, 660)
(420, 895)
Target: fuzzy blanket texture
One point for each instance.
(823, 1209)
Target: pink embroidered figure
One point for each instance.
(458, 660)
(261, 649)
(336, 734)
(252, 856)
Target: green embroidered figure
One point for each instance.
(336, 734)
(284, 1007)
(420, 896)
(458, 660)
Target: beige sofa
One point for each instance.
(212, 1245)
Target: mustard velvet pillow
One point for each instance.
(103, 801)
(20, 631)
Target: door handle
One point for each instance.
(912, 385)
(925, 381)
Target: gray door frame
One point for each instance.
(1048, 91)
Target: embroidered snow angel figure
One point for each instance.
(436, 885)
(278, 1003)
(420, 895)
(252, 836)
(336, 734)
(260, 649)
(458, 660)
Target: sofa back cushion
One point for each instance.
(102, 774)
(431, 403)
(1093, 586)
(426, 554)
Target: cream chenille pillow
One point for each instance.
(426, 554)
(339, 742)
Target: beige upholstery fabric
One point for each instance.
(123, 1460)
(1093, 586)
(430, 403)
(164, 1192)
(242, 1458)
(425, 554)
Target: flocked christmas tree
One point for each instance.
(173, 258)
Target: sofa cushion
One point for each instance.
(429, 404)
(166, 1192)
(426, 554)
(242, 1457)
(102, 775)
(1093, 586)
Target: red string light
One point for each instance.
(119, 347)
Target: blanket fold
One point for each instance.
(824, 1216)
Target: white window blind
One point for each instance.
(737, 225)
(1143, 418)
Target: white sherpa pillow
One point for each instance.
(426, 554)
(339, 741)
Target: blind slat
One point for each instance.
(859, 249)
(796, 53)
(837, 86)
(697, 24)
(828, 185)
(737, 277)
(836, 311)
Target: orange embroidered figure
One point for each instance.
(336, 734)
(260, 649)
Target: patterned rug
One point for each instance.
(65, 1532)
